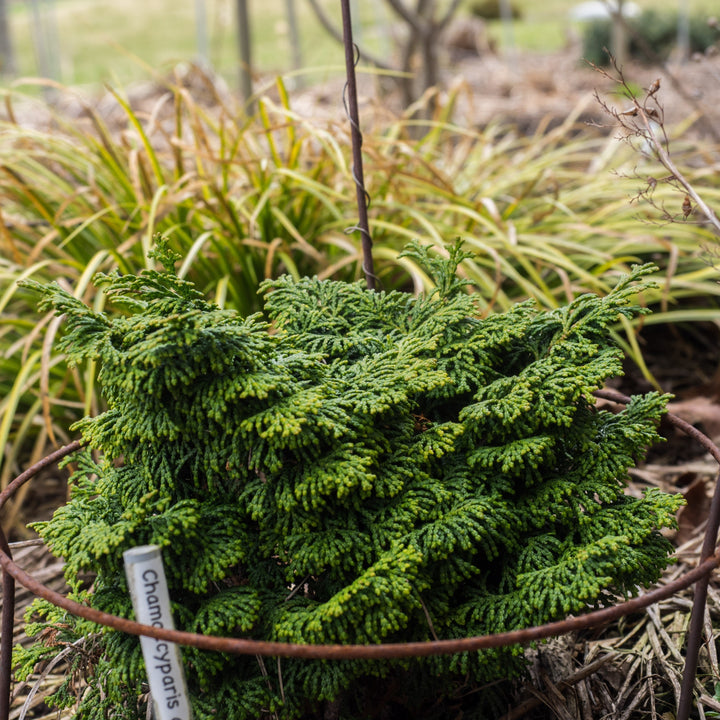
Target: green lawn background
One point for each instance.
(100, 41)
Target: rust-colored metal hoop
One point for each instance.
(709, 560)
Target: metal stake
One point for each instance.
(357, 166)
(697, 616)
(6, 634)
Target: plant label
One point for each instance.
(148, 587)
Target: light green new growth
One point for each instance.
(355, 467)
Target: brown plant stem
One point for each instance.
(664, 157)
(655, 58)
(645, 119)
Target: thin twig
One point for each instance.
(711, 648)
(521, 710)
(280, 680)
(429, 619)
(645, 120)
(667, 162)
(46, 671)
(626, 686)
(264, 672)
(639, 697)
(674, 651)
(413, 19)
(447, 17)
(670, 671)
(558, 707)
(651, 689)
(297, 588)
(655, 58)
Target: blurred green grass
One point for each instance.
(102, 41)
(105, 41)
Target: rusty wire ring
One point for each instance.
(345, 652)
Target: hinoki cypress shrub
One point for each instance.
(355, 467)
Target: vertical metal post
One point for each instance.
(201, 35)
(357, 167)
(506, 18)
(683, 30)
(7, 54)
(7, 624)
(45, 38)
(244, 51)
(698, 610)
(42, 53)
(294, 32)
(619, 41)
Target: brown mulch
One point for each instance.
(529, 87)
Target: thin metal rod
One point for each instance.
(427, 648)
(7, 618)
(694, 636)
(357, 167)
(7, 624)
(244, 53)
(694, 640)
(294, 34)
(8, 66)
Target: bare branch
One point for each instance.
(656, 59)
(666, 160)
(447, 17)
(645, 119)
(413, 19)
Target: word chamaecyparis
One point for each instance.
(148, 587)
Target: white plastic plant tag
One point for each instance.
(148, 588)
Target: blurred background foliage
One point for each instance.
(81, 42)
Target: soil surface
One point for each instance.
(527, 90)
(531, 87)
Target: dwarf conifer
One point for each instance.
(351, 467)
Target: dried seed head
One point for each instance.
(654, 88)
(686, 206)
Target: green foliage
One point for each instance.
(355, 467)
(656, 30)
(490, 10)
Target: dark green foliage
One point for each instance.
(359, 467)
(490, 10)
(657, 30)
